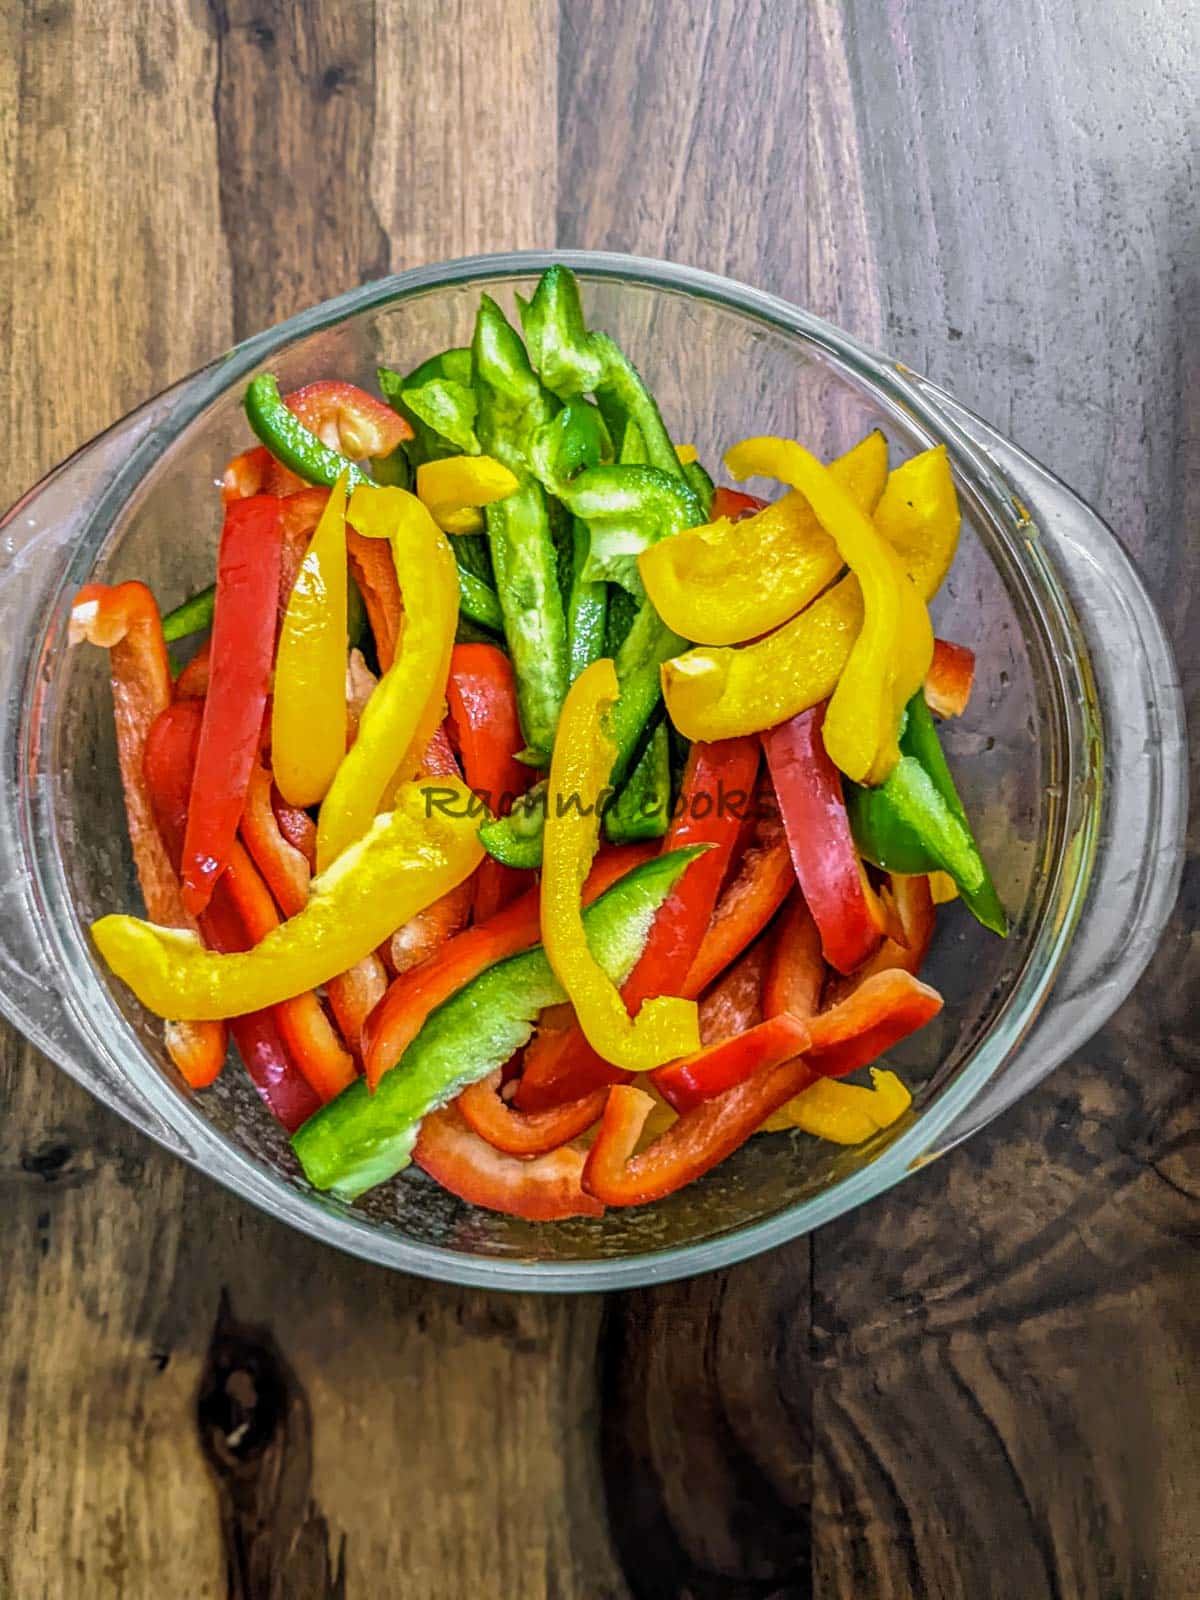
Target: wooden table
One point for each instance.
(986, 1383)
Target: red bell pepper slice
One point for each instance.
(809, 789)
(296, 826)
(733, 1003)
(763, 880)
(256, 471)
(950, 678)
(685, 1083)
(197, 1050)
(545, 1188)
(124, 620)
(717, 792)
(425, 934)
(690, 1147)
(243, 647)
(918, 918)
(192, 682)
(525, 1133)
(735, 505)
(170, 759)
(299, 514)
(348, 419)
(286, 869)
(881, 1011)
(399, 1016)
(241, 910)
(481, 698)
(796, 974)
(375, 573)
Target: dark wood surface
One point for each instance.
(985, 1384)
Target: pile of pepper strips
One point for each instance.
(398, 983)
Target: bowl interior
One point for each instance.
(720, 374)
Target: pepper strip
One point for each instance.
(713, 693)
(729, 581)
(243, 646)
(950, 678)
(796, 973)
(693, 1079)
(809, 789)
(399, 719)
(582, 761)
(308, 706)
(453, 488)
(296, 1038)
(403, 863)
(400, 1015)
(526, 1133)
(845, 1113)
(718, 785)
(545, 1188)
(690, 1147)
(428, 931)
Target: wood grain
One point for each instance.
(983, 1384)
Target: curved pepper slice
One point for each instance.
(796, 973)
(402, 715)
(583, 759)
(544, 1188)
(891, 655)
(950, 678)
(714, 693)
(845, 1113)
(687, 1082)
(691, 1146)
(734, 580)
(454, 487)
(526, 1133)
(406, 860)
(308, 707)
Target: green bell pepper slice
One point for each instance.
(914, 821)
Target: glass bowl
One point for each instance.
(1070, 758)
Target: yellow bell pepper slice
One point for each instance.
(730, 581)
(714, 693)
(845, 1113)
(409, 858)
(308, 706)
(891, 655)
(584, 752)
(942, 888)
(454, 488)
(402, 715)
(685, 454)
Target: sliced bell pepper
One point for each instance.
(733, 1004)
(400, 717)
(764, 878)
(950, 678)
(197, 1049)
(583, 758)
(729, 581)
(294, 1055)
(891, 654)
(193, 616)
(915, 822)
(845, 1113)
(717, 793)
(685, 1083)
(796, 974)
(353, 995)
(243, 647)
(375, 574)
(809, 789)
(943, 888)
(450, 430)
(417, 939)
(398, 1018)
(877, 1014)
(526, 1133)
(407, 858)
(918, 918)
(256, 471)
(362, 1138)
(296, 826)
(641, 807)
(512, 406)
(628, 510)
(713, 693)
(124, 620)
(735, 506)
(691, 1146)
(542, 1188)
(587, 606)
(482, 701)
(455, 487)
(308, 706)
